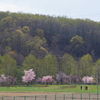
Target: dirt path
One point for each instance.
(3, 94)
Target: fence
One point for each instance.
(68, 96)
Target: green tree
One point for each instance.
(50, 65)
(38, 49)
(77, 49)
(2, 68)
(30, 63)
(39, 33)
(97, 67)
(25, 29)
(86, 65)
(69, 65)
(9, 64)
(76, 41)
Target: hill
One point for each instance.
(41, 39)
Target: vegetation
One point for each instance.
(48, 44)
(51, 88)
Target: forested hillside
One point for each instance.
(48, 44)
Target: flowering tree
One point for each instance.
(75, 79)
(2, 79)
(9, 80)
(39, 80)
(47, 79)
(29, 76)
(87, 79)
(62, 78)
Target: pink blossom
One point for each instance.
(29, 76)
(47, 79)
(87, 79)
(2, 78)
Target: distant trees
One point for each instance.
(63, 78)
(35, 41)
(7, 81)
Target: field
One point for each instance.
(42, 90)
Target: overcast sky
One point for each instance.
(71, 8)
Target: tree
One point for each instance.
(9, 64)
(47, 79)
(38, 48)
(2, 68)
(39, 33)
(76, 41)
(9, 80)
(3, 79)
(68, 64)
(50, 65)
(7, 21)
(40, 53)
(26, 29)
(88, 80)
(62, 78)
(86, 66)
(30, 62)
(75, 79)
(39, 80)
(18, 57)
(77, 46)
(29, 75)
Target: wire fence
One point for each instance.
(68, 96)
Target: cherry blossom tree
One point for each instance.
(9, 80)
(62, 78)
(47, 79)
(39, 80)
(88, 80)
(2, 79)
(29, 76)
(75, 79)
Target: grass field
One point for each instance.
(52, 88)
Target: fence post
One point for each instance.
(55, 96)
(2, 98)
(24, 97)
(45, 97)
(14, 98)
(63, 96)
(89, 96)
(72, 97)
(35, 97)
(97, 96)
(81, 96)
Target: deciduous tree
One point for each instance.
(29, 75)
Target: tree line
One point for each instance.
(50, 65)
(48, 44)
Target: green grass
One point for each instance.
(52, 88)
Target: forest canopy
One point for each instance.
(48, 44)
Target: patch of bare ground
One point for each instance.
(4, 94)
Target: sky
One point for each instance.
(83, 9)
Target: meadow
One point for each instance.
(52, 88)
